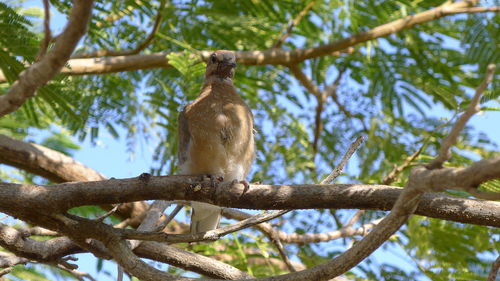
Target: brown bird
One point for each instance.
(216, 135)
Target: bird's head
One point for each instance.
(221, 65)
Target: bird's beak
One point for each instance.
(226, 69)
(229, 64)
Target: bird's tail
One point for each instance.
(205, 217)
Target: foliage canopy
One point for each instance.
(402, 91)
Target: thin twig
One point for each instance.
(5, 271)
(321, 96)
(398, 169)
(494, 270)
(330, 90)
(203, 236)
(44, 45)
(108, 213)
(63, 263)
(340, 167)
(318, 123)
(77, 274)
(355, 218)
(305, 80)
(493, 196)
(451, 139)
(283, 255)
(149, 222)
(269, 231)
(163, 224)
(141, 46)
(293, 23)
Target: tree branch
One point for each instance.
(204, 236)
(141, 46)
(25, 200)
(10, 260)
(151, 219)
(340, 167)
(51, 64)
(44, 45)
(494, 270)
(283, 255)
(53, 250)
(271, 56)
(42, 251)
(293, 23)
(58, 167)
(77, 274)
(5, 271)
(189, 261)
(391, 177)
(451, 139)
(44, 162)
(268, 230)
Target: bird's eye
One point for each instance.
(213, 58)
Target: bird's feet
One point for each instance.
(213, 179)
(245, 184)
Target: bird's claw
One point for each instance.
(212, 178)
(245, 183)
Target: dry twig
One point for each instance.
(204, 236)
(44, 45)
(340, 167)
(108, 213)
(293, 23)
(445, 151)
(141, 46)
(398, 169)
(494, 270)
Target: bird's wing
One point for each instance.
(184, 137)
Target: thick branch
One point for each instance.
(9, 260)
(24, 201)
(43, 251)
(457, 178)
(54, 249)
(57, 167)
(189, 261)
(43, 71)
(43, 161)
(271, 56)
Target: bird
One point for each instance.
(215, 136)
